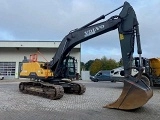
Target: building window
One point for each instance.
(7, 68)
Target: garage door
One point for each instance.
(7, 69)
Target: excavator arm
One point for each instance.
(127, 25)
(78, 36)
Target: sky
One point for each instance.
(52, 20)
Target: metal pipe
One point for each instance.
(113, 10)
(100, 18)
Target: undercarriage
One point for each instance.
(53, 89)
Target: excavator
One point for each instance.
(135, 92)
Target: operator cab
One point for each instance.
(69, 65)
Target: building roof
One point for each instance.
(32, 44)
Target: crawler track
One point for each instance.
(51, 90)
(46, 90)
(75, 88)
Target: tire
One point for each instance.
(113, 81)
(96, 80)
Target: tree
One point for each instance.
(104, 61)
(108, 64)
(95, 66)
(82, 66)
(111, 64)
(102, 64)
(88, 64)
(120, 63)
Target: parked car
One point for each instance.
(103, 75)
(114, 75)
(1, 77)
(117, 74)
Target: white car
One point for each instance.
(1, 77)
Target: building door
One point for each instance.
(9, 73)
(7, 69)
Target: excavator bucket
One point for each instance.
(134, 95)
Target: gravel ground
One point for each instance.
(17, 106)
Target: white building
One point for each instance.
(12, 53)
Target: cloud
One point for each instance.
(53, 19)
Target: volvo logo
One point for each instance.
(93, 30)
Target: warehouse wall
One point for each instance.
(8, 54)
